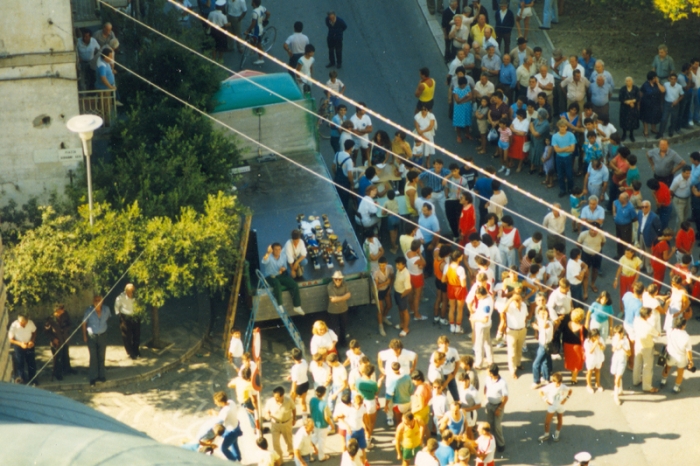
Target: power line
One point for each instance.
(527, 219)
(320, 176)
(390, 122)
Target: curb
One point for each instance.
(434, 25)
(651, 142)
(153, 373)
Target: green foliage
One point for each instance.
(47, 263)
(678, 9)
(165, 158)
(173, 258)
(15, 220)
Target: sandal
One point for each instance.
(550, 186)
(544, 182)
(594, 289)
(459, 140)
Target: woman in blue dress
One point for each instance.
(462, 114)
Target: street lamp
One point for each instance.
(85, 126)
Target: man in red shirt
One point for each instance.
(663, 200)
(684, 241)
(467, 219)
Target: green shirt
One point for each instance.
(317, 408)
(367, 388)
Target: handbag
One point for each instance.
(492, 135)
(663, 358)
(526, 147)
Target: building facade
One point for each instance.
(39, 93)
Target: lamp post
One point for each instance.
(85, 126)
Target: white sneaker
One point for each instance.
(690, 123)
(444, 322)
(500, 344)
(555, 436)
(507, 173)
(381, 330)
(397, 327)
(436, 319)
(452, 328)
(535, 386)
(459, 329)
(502, 169)
(590, 389)
(390, 420)
(600, 389)
(543, 437)
(617, 400)
(299, 310)
(259, 61)
(387, 322)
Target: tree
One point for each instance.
(678, 9)
(193, 253)
(165, 158)
(47, 263)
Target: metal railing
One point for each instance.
(99, 102)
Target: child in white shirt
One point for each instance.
(594, 349)
(555, 395)
(621, 352)
(235, 349)
(299, 375)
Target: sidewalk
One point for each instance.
(540, 37)
(182, 324)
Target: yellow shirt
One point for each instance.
(428, 91)
(478, 33)
(411, 436)
(630, 267)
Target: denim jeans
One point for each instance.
(550, 13)
(229, 446)
(664, 213)
(696, 105)
(565, 173)
(577, 294)
(670, 113)
(307, 459)
(542, 366)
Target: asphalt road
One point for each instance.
(387, 42)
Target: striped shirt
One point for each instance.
(433, 180)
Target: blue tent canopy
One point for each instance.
(236, 94)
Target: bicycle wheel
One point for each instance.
(324, 128)
(247, 53)
(268, 39)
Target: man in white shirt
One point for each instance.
(22, 334)
(644, 332)
(87, 48)
(366, 215)
(575, 272)
(363, 128)
(129, 322)
(496, 391)
(545, 81)
(296, 44)
(514, 326)
(236, 11)
(672, 97)
(680, 353)
(472, 249)
(303, 448)
(555, 223)
(572, 65)
(295, 250)
(228, 416)
(396, 353)
(559, 302)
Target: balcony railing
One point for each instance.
(99, 102)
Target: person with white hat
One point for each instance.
(583, 459)
(338, 295)
(218, 18)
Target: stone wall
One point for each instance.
(39, 92)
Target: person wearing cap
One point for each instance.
(582, 459)
(338, 296)
(505, 22)
(520, 53)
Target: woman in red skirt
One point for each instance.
(573, 336)
(519, 127)
(661, 250)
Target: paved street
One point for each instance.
(385, 45)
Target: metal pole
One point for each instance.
(87, 155)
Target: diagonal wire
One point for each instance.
(483, 198)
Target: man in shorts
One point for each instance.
(402, 291)
(409, 436)
(399, 388)
(257, 27)
(369, 390)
